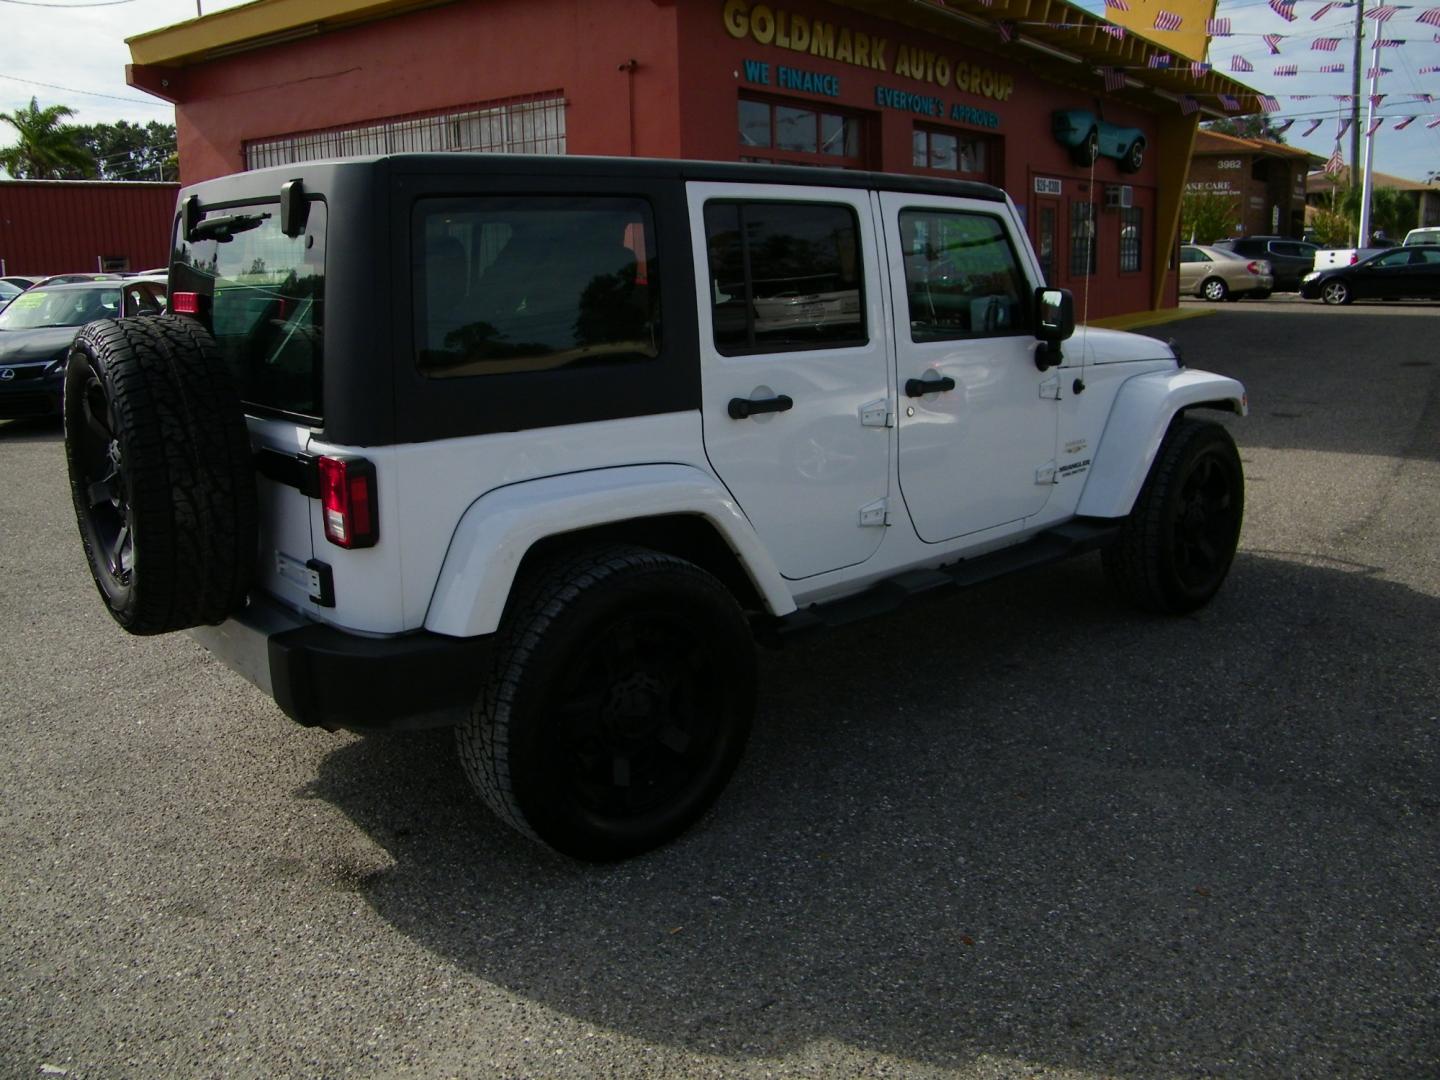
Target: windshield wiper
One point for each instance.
(222, 228)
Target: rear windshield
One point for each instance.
(266, 303)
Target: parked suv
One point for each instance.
(538, 448)
(1290, 260)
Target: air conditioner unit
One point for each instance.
(1119, 196)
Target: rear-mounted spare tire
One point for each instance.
(160, 472)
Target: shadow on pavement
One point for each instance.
(1026, 824)
(32, 431)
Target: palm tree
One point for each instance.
(46, 148)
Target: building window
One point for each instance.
(792, 134)
(534, 283)
(1132, 221)
(949, 151)
(1082, 239)
(961, 276)
(784, 276)
(530, 125)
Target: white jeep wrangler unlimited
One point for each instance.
(538, 447)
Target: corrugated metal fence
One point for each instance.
(73, 226)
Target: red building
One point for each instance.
(960, 89)
(82, 226)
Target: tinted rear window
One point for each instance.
(267, 302)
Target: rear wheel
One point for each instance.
(1179, 541)
(1134, 157)
(619, 705)
(1087, 151)
(1335, 292)
(1214, 289)
(160, 473)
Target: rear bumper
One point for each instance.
(324, 677)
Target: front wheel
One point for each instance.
(619, 704)
(1215, 289)
(1179, 541)
(1336, 292)
(1134, 157)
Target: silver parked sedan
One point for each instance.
(1217, 274)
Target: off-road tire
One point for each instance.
(618, 705)
(1214, 289)
(1178, 543)
(160, 472)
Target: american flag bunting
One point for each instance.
(1284, 8)
(1433, 123)
(1167, 20)
(1239, 63)
(1158, 60)
(1005, 29)
(1344, 127)
(1383, 13)
(1188, 105)
(1387, 43)
(1376, 72)
(1272, 41)
(1430, 69)
(1231, 104)
(1430, 17)
(1405, 122)
(1324, 10)
(1285, 125)
(1375, 100)
(1332, 69)
(1117, 5)
(1117, 32)
(1199, 67)
(1267, 103)
(1285, 70)
(1314, 124)
(1325, 44)
(1374, 126)
(1221, 27)
(1114, 78)
(1336, 161)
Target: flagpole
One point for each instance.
(1355, 92)
(1364, 240)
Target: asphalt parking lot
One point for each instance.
(1024, 833)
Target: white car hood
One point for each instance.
(1115, 346)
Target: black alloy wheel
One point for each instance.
(1179, 541)
(105, 518)
(619, 706)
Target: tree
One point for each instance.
(1247, 127)
(126, 151)
(1207, 216)
(46, 148)
(1392, 212)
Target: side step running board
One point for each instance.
(1073, 538)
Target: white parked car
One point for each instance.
(600, 426)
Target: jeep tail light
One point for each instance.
(347, 502)
(185, 303)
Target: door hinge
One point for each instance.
(875, 513)
(1050, 388)
(876, 414)
(1045, 474)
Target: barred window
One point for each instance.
(1132, 220)
(1082, 239)
(529, 125)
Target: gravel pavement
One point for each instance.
(1025, 832)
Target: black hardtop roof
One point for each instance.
(577, 165)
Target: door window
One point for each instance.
(1132, 223)
(1045, 231)
(962, 278)
(784, 276)
(1082, 239)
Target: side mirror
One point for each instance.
(1054, 322)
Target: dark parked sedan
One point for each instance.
(1398, 274)
(37, 327)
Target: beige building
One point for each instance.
(1266, 180)
(1320, 185)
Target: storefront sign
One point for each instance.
(788, 78)
(1209, 185)
(816, 37)
(922, 105)
(1045, 185)
(1228, 163)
